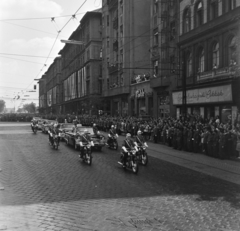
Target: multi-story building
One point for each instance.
(81, 67)
(164, 55)
(209, 44)
(126, 57)
(49, 88)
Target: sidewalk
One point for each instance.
(228, 170)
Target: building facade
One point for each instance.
(126, 58)
(209, 41)
(50, 90)
(81, 67)
(164, 55)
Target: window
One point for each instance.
(107, 42)
(155, 37)
(189, 64)
(173, 30)
(155, 6)
(88, 87)
(108, 85)
(199, 14)
(228, 5)
(107, 20)
(231, 51)
(155, 66)
(186, 21)
(215, 55)
(201, 65)
(213, 8)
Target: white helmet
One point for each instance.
(139, 132)
(128, 135)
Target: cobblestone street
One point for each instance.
(46, 189)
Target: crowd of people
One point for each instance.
(188, 133)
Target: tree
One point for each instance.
(30, 108)
(2, 105)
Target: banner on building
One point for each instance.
(205, 95)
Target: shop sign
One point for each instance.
(140, 93)
(205, 95)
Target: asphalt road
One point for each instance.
(46, 189)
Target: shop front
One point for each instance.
(208, 102)
(141, 101)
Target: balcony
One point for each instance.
(115, 45)
(140, 78)
(112, 68)
(115, 23)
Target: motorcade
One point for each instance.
(34, 128)
(46, 124)
(55, 141)
(72, 138)
(86, 154)
(65, 127)
(113, 143)
(141, 155)
(131, 162)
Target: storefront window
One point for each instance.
(196, 111)
(141, 106)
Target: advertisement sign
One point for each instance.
(205, 95)
(140, 93)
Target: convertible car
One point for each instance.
(66, 127)
(72, 138)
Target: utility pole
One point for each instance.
(184, 94)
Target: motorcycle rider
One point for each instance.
(34, 123)
(127, 145)
(95, 130)
(84, 140)
(53, 130)
(112, 133)
(139, 140)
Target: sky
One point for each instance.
(30, 34)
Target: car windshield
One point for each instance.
(82, 129)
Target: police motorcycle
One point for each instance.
(112, 142)
(53, 137)
(141, 155)
(130, 159)
(34, 126)
(86, 151)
